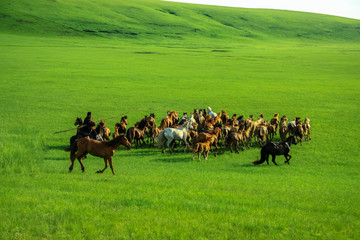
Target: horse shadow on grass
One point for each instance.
(54, 159)
(65, 148)
(172, 160)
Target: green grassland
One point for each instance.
(61, 59)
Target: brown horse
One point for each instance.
(153, 133)
(96, 148)
(224, 117)
(139, 130)
(295, 129)
(209, 137)
(283, 128)
(261, 133)
(102, 130)
(170, 120)
(275, 121)
(236, 138)
(201, 148)
(120, 127)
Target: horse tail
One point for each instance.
(161, 139)
(263, 157)
(73, 149)
(130, 134)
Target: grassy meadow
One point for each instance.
(61, 59)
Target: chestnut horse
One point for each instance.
(96, 148)
(170, 120)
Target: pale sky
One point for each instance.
(343, 8)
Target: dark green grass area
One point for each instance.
(48, 80)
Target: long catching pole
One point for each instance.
(121, 115)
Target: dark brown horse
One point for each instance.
(79, 123)
(138, 131)
(276, 148)
(96, 148)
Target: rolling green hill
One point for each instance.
(60, 59)
(155, 20)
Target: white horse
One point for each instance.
(169, 134)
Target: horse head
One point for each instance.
(124, 120)
(78, 121)
(124, 141)
(102, 123)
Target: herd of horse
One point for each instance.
(200, 131)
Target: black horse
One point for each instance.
(276, 148)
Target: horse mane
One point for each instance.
(114, 141)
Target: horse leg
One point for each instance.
(180, 144)
(237, 147)
(243, 143)
(194, 153)
(111, 165)
(216, 147)
(143, 140)
(72, 163)
(106, 165)
(273, 159)
(287, 157)
(186, 145)
(169, 144)
(82, 165)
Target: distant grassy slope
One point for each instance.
(156, 20)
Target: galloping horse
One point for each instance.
(96, 148)
(80, 134)
(170, 134)
(276, 148)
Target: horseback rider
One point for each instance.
(211, 113)
(88, 130)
